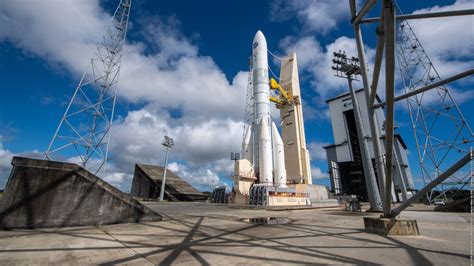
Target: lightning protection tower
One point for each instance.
(83, 133)
(249, 103)
(442, 134)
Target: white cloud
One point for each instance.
(203, 146)
(319, 16)
(446, 38)
(316, 62)
(196, 143)
(66, 34)
(120, 180)
(318, 174)
(204, 179)
(307, 49)
(317, 152)
(6, 157)
(448, 44)
(5, 164)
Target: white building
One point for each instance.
(344, 156)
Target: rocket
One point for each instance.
(262, 144)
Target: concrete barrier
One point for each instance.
(44, 193)
(384, 226)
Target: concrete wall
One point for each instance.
(54, 194)
(143, 186)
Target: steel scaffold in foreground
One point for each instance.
(432, 112)
(83, 134)
(432, 109)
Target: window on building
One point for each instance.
(336, 177)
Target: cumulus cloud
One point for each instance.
(180, 92)
(448, 38)
(119, 180)
(6, 159)
(204, 179)
(5, 164)
(203, 146)
(316, 150)
(317, 173)
(315, 15)
(317, 61)
(451, 51)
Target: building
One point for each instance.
(344, 155)
(147, 184)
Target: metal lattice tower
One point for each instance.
(249, 103)
(83, 134)
(442, 134)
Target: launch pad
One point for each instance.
(210, 234)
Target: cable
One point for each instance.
(269, 68)
(276, 56)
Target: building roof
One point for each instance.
(342, 95)
(172, 180)
(348, 94)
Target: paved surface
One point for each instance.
(195, 234)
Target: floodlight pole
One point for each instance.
(168, 143)
(349, 67)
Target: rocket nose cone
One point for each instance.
(259, 36)
(259, 39)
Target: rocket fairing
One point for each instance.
(262, 144)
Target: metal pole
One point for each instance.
(373, 122)
(463, 161)
(365, 9)
(426, 15)
(389, 8)
(378, 60)
(370, 181)
(401, 176)
(163, 181)
(430, 86)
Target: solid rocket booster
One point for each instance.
(278, 158)
(247, 151)
(262, 119)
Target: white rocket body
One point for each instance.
(262, 143)
(265, 161)
(261, 93)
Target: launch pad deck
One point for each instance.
(203, 234)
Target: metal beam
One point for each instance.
(378, 60)
(352, 4)
(463, 161)
(373, 121)
(371, 182)
(389, 9)
(465, 12)
(401, 176)
(365, 9)
(429, 87)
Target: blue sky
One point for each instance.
(184, 74)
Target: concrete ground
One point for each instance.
(197, 233)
